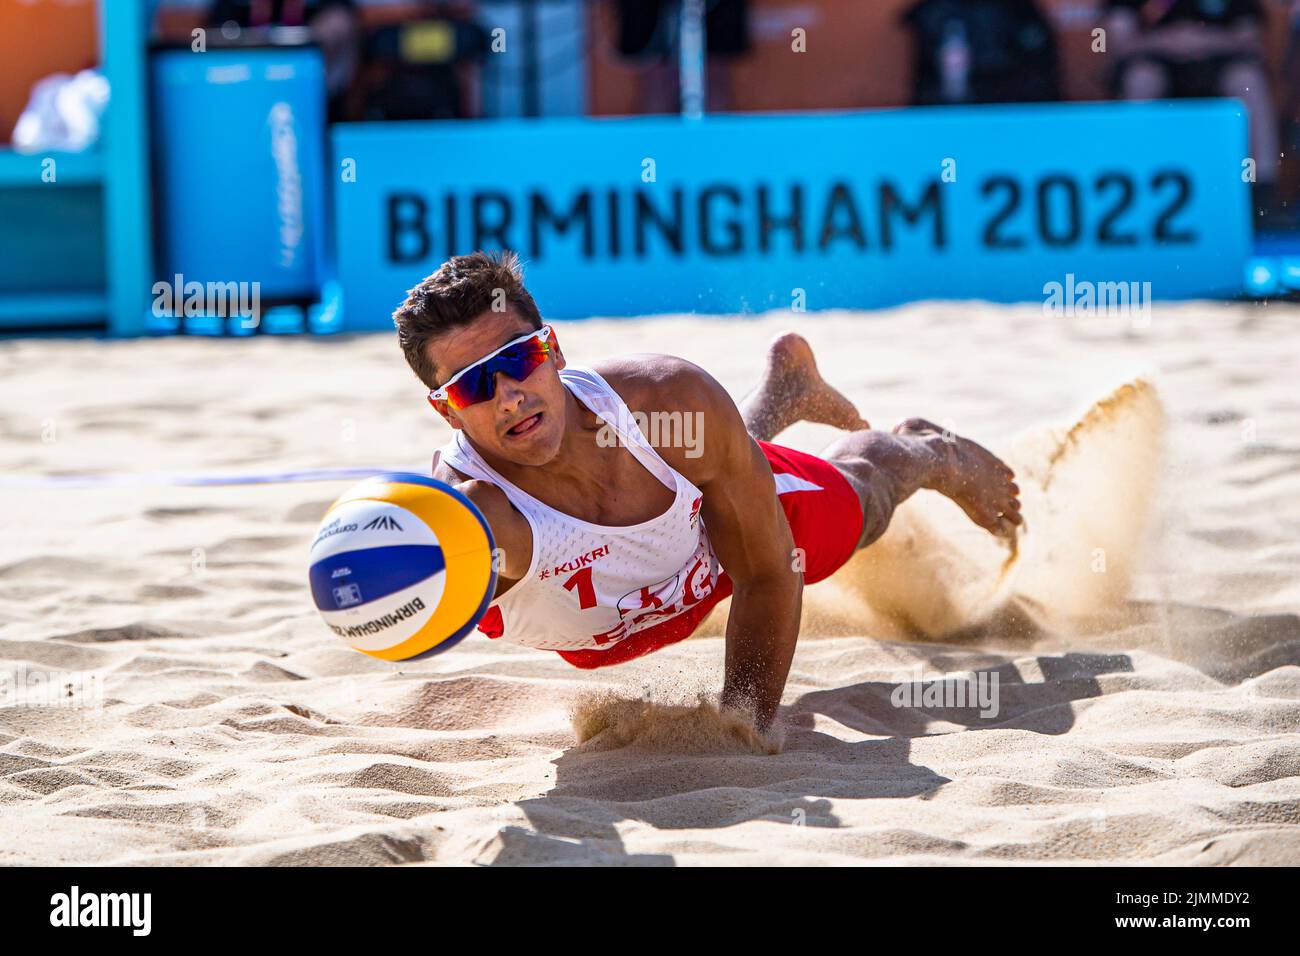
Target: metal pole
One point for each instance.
(690, 58)
(128, 238)
(529, 77)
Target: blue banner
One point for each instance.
(746, 213)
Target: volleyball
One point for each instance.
(401, 567)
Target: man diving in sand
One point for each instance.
(611, 549)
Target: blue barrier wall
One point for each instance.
(858, 210)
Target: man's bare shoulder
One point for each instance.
(701, 434)
(509, 527)
(487, 497)
(652, 382)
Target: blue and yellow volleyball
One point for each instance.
(402, 566)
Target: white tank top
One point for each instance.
(590, 586)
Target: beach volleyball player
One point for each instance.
(611, 547)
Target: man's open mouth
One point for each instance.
(526, 426)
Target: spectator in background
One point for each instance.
(334, 24)
(981, 51)
(1197, 48)
(423, 65)
(411, 66)
(1289, 173)
(648, 36)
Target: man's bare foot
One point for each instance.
(972, 476)
(793, 390)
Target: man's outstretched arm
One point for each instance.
(746, 525)
(752, 539)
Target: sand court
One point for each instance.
(172, 695)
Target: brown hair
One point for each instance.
(463, 288)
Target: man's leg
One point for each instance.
(884, 468)
(792, 390)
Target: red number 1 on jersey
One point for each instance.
(586, 590)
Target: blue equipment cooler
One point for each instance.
(240, 157)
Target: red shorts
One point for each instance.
(825, 519)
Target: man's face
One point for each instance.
(524, 421)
